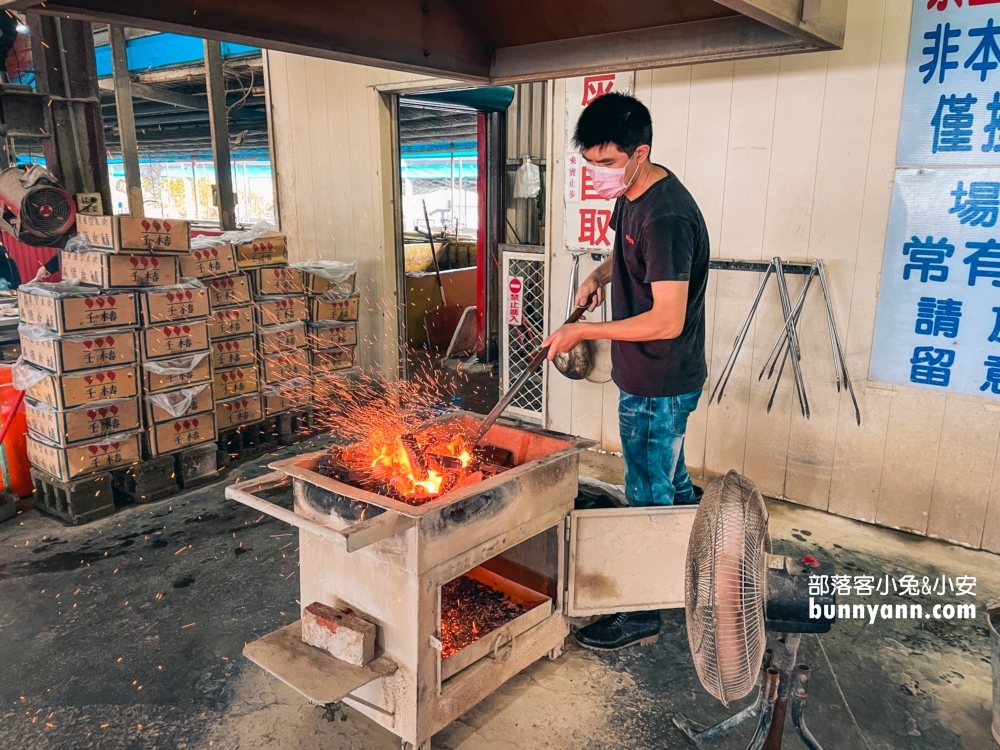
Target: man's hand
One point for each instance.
(42, 274)
(590, 286)
(565, 338)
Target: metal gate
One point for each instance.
(520, 342)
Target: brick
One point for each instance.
(78, 500)
(197, 466)
(340, 632)
(148, 481)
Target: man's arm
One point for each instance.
(599, 278)
(664, 321)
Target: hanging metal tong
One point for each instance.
(787, 343)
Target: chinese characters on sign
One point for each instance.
(588, 216)
(515, 300)
(951, 105)
(938, 322)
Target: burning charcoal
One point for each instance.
(494, 454)
(471, 609)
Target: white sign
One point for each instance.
(588, 216)
(938, 320)
(515, 300)
(951, 104)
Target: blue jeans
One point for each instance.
(652, 431)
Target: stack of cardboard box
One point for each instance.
(333, 327)
(280, 304)
(236, 380)
(79, 369)
(146, 255)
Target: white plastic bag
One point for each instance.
(23, 375)
(527, 179)
(175, 403)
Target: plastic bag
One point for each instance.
(201, 241)
(23, 375)
(40, 406)
(40, 333)
(527, 179)
(78, 244)
(281, 326)
(59, 289)
(175, 403)
(178, 366)
(332, 270)
(276, 389)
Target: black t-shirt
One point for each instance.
(660, 236)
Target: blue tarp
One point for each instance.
(163, 51)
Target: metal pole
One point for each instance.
(218, 116)
(126, 121)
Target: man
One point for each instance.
(658, 272)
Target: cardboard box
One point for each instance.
(343, 310)
(236, 412)
(68, 463)
(282, 397)
(174, 339)
(229, 290)
(74, 314)
(82, 424)
(208, 262)
(198, 371)
(236, 381)
(286, 365)
(329, 335)
(271, 339)
(114, 271)
(330, 360)
(201, 402)
(316, 284)
(233, 352)
(267, 250)
(167, 305)
(68, 390)
(116, 234)
(278, 310)
(178, 434)
(76, 353)
(278, 280)
(230, 322)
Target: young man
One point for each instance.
(658, 272)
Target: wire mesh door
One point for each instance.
(524, 331)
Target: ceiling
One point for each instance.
(496, 41)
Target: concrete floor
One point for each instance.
(127, 633)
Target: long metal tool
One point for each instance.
(835, 338)
(720, 384)
(781, 339)
(533, 365)
(793, 337)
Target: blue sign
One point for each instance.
(938, 321)
(951, 104)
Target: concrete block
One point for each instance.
(339, 632)
(149, 480)
(197, 466)
(77, 501)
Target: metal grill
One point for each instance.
(521, 342)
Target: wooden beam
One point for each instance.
(126, 122)
(218, 116)
(729, 38)
(166, 96)
(824, 23)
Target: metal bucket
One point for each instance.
(993, 618)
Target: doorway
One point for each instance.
(451, 185)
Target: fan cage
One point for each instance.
(46, 210)
(724, 587)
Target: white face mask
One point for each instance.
(609, 182)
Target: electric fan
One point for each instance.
(736, 591)
(35, 209)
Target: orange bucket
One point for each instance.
(15, 443)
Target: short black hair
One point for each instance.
(617, 119)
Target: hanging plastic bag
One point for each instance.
(23, 375)
(175, 403)
(527, 179)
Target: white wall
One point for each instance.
(794, 156)
(329, 129)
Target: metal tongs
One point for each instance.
(540, 356)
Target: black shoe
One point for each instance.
(613, 632)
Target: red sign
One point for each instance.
(514, 300)
(595, 87)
